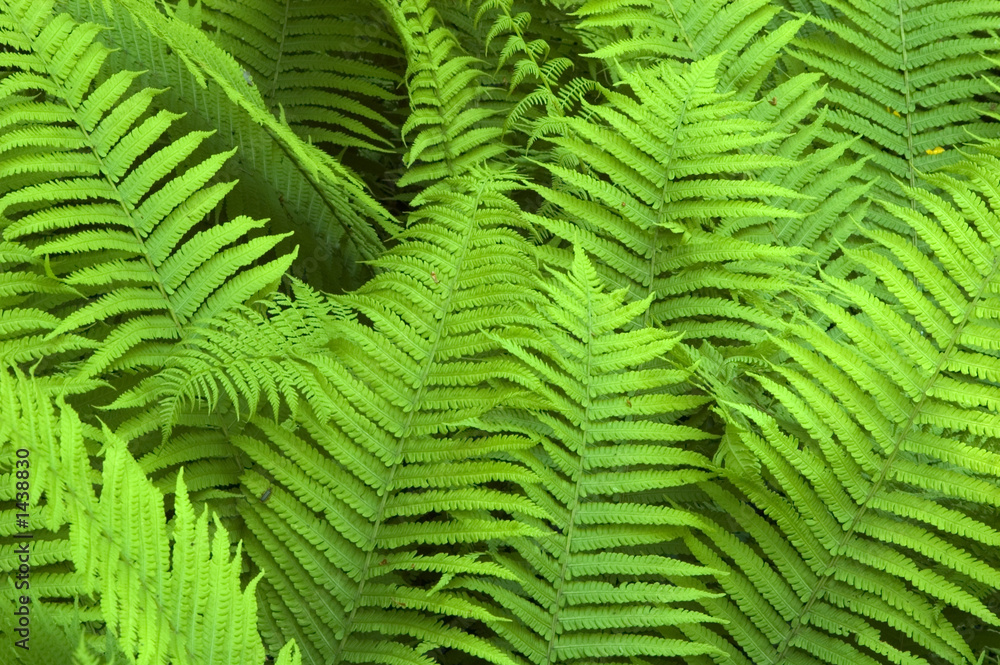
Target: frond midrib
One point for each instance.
(105, 172)
(378, 519)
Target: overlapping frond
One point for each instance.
(453, 134)
(603, 584)
(245, 353)
(833, 197)
(664, 173)
(531, 54)
(402, 444)
(319, 63)
(41, 447)
(92, 185)
(774, 443)
(182, 602)
(164, 596)
(282, 177)
(390, 459)
(25, 293)
(866, 489)
(910, 78)
(640, 33)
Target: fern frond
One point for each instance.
(404, 395)
(868, 466)
(162, 600)
(331, 99)
(386, 432)
(454, 133)
(662, 176)
(834, 197)
(535, 52)
(909, 77)
(606, 447)
(296, 185)
(25, 290)
(639, 33)
(80, 189)
(41, 447)
(181, 603)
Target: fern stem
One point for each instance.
(680, 26)
(909, 117)
(269, 97)
(662, 208)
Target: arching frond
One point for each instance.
(284, 178)
(316, 62)
(867, 488)
(92, 186)
(663, 176)
(390, 454)
(454, 134)
(907, 76)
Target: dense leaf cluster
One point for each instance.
(416, 332)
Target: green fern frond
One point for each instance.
(245, 353)
(834, 197)
(296, 185)
(664, 171)
(87, 163)
(41, 448)
(910, 78)
(536, 53)
(386, 432)
(318, 62)
(640, 33)
(180, 603)
(163, 600)
(868, 465)
(454, 133)
(25, 322)
(612, 438)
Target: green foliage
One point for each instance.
(523, 332)
(610, 447)
(911, 78)
(168, 590)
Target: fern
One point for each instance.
(640, 33)
(303, 189)
(610, 440)
(292, 76)
(24, 322)
(914, 88)
(870, 465)
(667, 187)
(378, 449)
(326, 68)
(523, 59)
(773, 442)
(85, 199)
(182, 601)
(454, 135)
